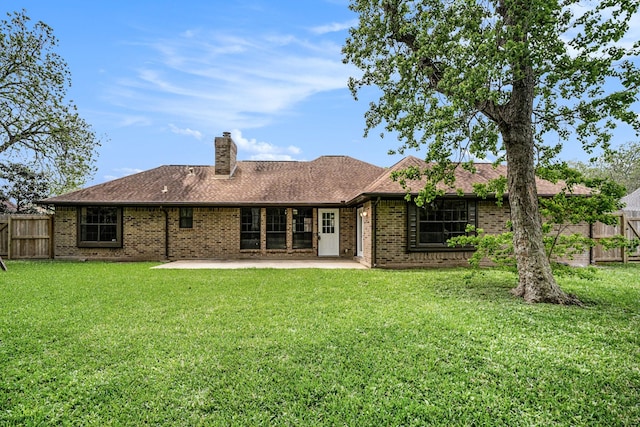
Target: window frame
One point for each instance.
(249, 228)
(186, 218)
(297, 214)
(276, 228)
(83, 214)
(415, 223)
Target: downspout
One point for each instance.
(166, 232)
(374, 220)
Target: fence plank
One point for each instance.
(4, 235)
(633, 232)
(27, 236)
(628, 226)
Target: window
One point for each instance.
(431, 226)
(276, 228)
(186, 217)
(302, 222)
(100, 227)
(328, 222)
(250, 228)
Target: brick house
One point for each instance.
(333, 206)
(632, 203)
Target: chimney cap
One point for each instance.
(226, 134)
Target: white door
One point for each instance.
(328, 232)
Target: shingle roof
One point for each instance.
(485, 172)
(8, 206)
(325, 180)
(632, 201)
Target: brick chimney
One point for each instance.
(226, 152)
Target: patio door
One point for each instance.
(328, 232)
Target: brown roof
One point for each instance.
(485, 172)
(325, 180)
(632, 201)
(8, 206)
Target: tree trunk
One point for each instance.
(536, 282)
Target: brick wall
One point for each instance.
(493, 218)
(142, 236)
(215, 234)
(347, 232)
(391, 237)
(582, 259)
(367, 234)
(391, 242)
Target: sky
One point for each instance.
(158, 80)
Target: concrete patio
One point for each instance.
(263, 263)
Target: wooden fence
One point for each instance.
(629, 226)
(26, 236)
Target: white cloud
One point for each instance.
(189, 132)
(334, 27)
(224, 80)
(263, 150)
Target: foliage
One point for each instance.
(36, 122)
(24, 186)
(497, 78)
(120, 344)
(570, 208)
(498, 248)
(621, 165)
(582, 201)
(446, 70)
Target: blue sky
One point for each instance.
(159, 80)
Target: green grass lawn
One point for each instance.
(121, 344)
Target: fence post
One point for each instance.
(9, 238)
(623, 231)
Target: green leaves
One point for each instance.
(469, 79)
(439, 64)
(621, 165)
(37, 123)
(566, 207)
(23, 185)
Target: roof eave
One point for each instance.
(186, 203)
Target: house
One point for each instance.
(632, 203)
(333, 206)
(7, 206)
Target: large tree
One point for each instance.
(37, 124)
(23, 185)
(621, 165)
(501, 78)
